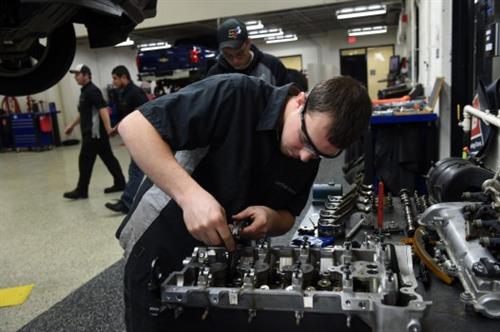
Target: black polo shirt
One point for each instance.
(225, 129)
(131, 97)
(236, 116)
(91, 101)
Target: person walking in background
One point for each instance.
(130, 98)
(95, 126)
(239, 55)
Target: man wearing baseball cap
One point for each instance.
(239, 55)
(95, 126)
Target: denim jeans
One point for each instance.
(135, 176)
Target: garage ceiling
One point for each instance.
(304, 22)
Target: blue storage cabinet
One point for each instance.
(26, 131)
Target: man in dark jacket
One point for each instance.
(246, 150)
(130, 98)
(239, 55)
(95, 125)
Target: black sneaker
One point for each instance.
(114, 188)
(117, 207)
(75, 194)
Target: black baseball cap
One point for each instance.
(81, 68)
(232, 33)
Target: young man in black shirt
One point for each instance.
(130, 98)
(239, 55)
(95, 126)
(244, 150)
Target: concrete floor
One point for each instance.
(55, 243)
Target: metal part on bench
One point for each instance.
(332, 216)
(375, 282)
(408, 212)
(467, 259)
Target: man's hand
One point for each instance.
(112, 131)
(68, 130)
(262, 221)
(104, 113)
(206, 220)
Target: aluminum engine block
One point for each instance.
(374, 282)
(482, 293)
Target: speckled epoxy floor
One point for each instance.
(55, 243)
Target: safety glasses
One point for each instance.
(309, 145)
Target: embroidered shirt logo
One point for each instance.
(286, 187)
(234, 33)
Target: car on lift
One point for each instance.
(187, 61)
(38, 42)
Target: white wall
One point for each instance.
(183, 11)
(435, 60)
(320, 56)
(321, 53)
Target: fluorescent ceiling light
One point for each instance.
(128, 42)
(254, 25)
(154, 46)
(367, 31)
(361, 11)
(265, 33)
(281, 39)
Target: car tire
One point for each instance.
(59, 54)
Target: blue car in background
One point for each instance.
(182, 64)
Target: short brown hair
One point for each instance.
(121, 71)
(348, 104)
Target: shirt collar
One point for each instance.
(276, 105)
(89, 83)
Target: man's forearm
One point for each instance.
(155, 157)
(103, 112)
(75, 122)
